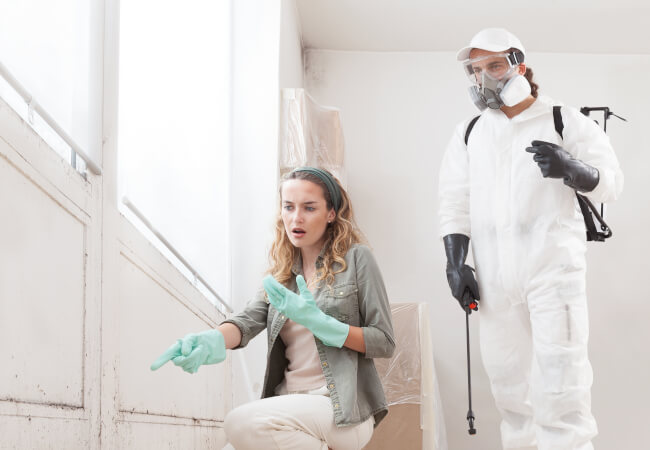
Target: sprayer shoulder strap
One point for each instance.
(470, 125)
(557, 120)
(586, 207)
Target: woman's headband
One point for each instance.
(330, 183)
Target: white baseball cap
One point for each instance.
(492, 40)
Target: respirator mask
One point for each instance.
(495, 81)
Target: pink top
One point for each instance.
(304, 372)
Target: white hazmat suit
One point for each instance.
(528, 242)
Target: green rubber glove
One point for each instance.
(302, 309)
(194, 350)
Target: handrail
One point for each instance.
(33, 104)
(171, 248)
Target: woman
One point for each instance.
(511, 186)
(327, 315)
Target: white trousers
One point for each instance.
(535, 354)
(293, 421)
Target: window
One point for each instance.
(54, 51)
(174, 126)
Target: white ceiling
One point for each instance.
(567, 26)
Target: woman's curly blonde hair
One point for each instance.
(342, 233)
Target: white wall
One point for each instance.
(264, 59)
(50, 267)
(291, 69)
(399, 110)
(256, 37)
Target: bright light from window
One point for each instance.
(174, 125)
(53, 48)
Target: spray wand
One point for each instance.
(472, 306)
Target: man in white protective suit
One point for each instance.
(510, 185)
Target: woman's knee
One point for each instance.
(241, 427)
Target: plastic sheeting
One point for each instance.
(401, 375)
(410, 383)
(310, 134)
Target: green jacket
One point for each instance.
(357, 297)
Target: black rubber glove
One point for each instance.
(460, 276)
(555, 162)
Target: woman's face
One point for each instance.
(304, 213)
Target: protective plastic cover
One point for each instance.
(409, 377)
(310, 134)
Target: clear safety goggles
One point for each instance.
(495, 66)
